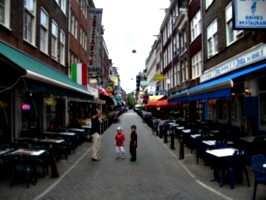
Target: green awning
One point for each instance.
(43, 73)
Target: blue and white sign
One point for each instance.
(249, 14)
(251, 56)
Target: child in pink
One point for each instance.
(120, 143)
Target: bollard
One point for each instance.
(172, 144)
(181, 148)
(161, 131)
(54, 172)
(165, 134)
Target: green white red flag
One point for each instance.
(79, 73)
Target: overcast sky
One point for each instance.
(130, 25)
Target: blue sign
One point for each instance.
(161, 92)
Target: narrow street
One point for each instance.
(157, 173)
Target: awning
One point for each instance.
(179, 97)
(110, 100)
(38, 71)
(164, 103)
(214, 89)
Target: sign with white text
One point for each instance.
(251, 56)
(249, 14)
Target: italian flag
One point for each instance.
(79, 73)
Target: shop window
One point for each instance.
(212, 109)
(29, 116)
(263, 109)
(5, 133)
(223, 109)
(235, 109)
(199, 107)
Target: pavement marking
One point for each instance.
(197, 180)
(63, 176)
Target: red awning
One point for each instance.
(164, 103)
(102, 91)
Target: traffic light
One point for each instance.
(137, 83)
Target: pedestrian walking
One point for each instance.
(96, 128)
(133, 143)
(119, 142)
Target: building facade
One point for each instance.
(35, 87)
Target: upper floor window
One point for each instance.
(5, 13)
(231, 35)
(212, 38)
(62, 47)
(63, 5)
(196, 65)
(54, 40)
(44, 21)
(195, 25)
(29, 21)
(208, 3)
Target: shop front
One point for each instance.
(229, 94)
(34, 96)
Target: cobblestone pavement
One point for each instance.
(157, 173)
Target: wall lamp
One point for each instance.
(247, 91)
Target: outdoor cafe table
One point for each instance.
(218, 155)
(80, 132)
(212, 142)
(60, 133)
(27, 152)
(52, 141)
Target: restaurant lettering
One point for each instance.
(247, 58)
(92, 42)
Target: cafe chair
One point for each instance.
(220, 144)
(200, 149)
(236, 165)
(257, 162)
(22, 165)
(43, 159)
(63, 148)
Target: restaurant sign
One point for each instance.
(251, 56)
(249, 14)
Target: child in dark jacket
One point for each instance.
(133, 143)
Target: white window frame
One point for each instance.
(5, 17)
(183, 71)
(62, 47)
(44, 31)
(231, 35)
(54, 40)
(63, 4)
(212, 38)
(195, 26)
(72, 24)
(76, 29)
(29, 27)
(186, 70)
(208, 3)
(196, 62)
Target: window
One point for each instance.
(196, 65)
(231, 35)
(62, 47)
(76, 28)
(223, 109)
(212, 109)
(235, 108)
(183, 72)
(212, 39)
(5, 13)
(178, 74)
(84, 8)
(195, 25)
(44, 31)
(54, 40)
(208, 3)
(262, 103)
(80, 37)
(29, 21)
(186, 70)
(63, 5)
(72, 24)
